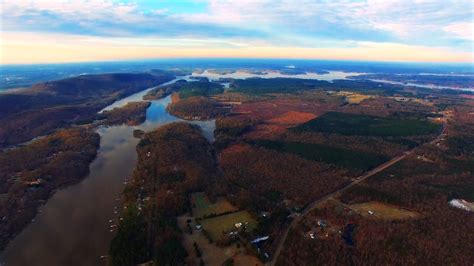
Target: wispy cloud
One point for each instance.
(223, 24)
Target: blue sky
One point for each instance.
(373, 30)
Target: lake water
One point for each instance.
(240, 74)
(73, 227)
(426, 86)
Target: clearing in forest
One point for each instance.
(220, 225)
(383, 211)
(203, 207)
(292, 118)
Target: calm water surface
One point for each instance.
(74, 226)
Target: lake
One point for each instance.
(77, 223)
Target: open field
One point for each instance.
(367, 125)
(211, 254)
(383, 211)
(353, 97)
(202, 206)
(273, 108)
(292, 118)
(225, 223)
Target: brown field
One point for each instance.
(279, 124)
(270, 109)
(202, 206)
(218, 225)
(383, 211)
(292, 118)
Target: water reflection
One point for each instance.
(73, 227)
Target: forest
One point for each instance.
(196, 108)
(39, 110)
(174, 161)
(29, 174)
(259, 86)
(355, 124)
(133, 113)
(422, 183)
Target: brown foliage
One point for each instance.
(54, 161)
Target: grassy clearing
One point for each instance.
(317, 152)
(211, 253)
(367, 125)
(202, 207)
(383, 211)
(219, 225)
(353, 97)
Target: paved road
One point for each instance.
(336, 193)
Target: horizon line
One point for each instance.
(471, 63)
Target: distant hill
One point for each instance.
(36, 111)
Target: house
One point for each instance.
(322, 223)
(198, 227)
(312, 234)
(35, 183)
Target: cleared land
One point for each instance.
(211, 254)
(353, 97)
(383, 211)
(292, 118)
(218, 225)
(203, 207)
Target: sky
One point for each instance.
(56, 31)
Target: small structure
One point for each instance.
(371, 212)
(462, 204)
(238, 225)
(259, 239)
(35, 183)
(198, 227)
(322, 223)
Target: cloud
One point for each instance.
(225, 24)
(463, 30)
(23, 48)
(103, 18)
